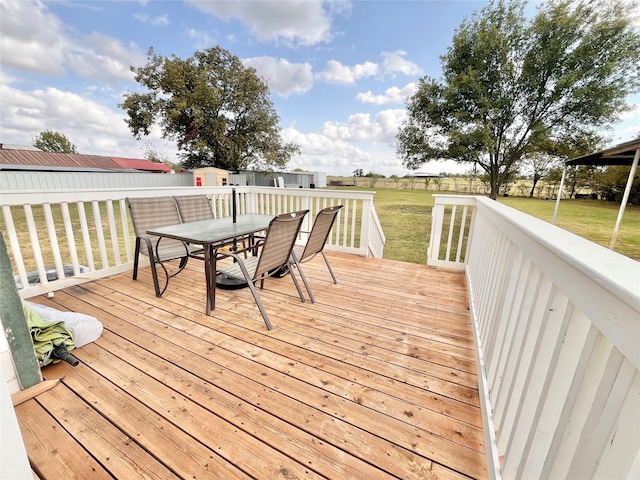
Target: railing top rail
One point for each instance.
(618, 274)
(359, 194)
(22, 197)
(455, 199)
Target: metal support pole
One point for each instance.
(555, 210)
(625, 199)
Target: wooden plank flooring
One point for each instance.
(377, 379)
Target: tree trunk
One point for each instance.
(533, 188)
(494, 190)
(495, 180)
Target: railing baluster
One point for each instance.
(16, 251)
(86, 237)
(114, 233)
(35, 244)
(53, 240)
(97, 217)
(125, 229)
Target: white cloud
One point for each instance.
(160, 20)
(629, 126)
(282, 76)
(202, 40)
(392, 63)
(298, 22)
(393, 95)
(361, 128)
(94, 128)
(105, 58)
(339, 73)
(395, 62)
(322, 153)
(34, 40)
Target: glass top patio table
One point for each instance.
(216, 230)
(213, 234)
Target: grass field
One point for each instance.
(405, 216)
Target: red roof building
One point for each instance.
(141, 164)
(15, 158)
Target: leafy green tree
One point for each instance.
(537, 164)
(610, 183)
(158, 156)
(396, 179)
(579, 176)
(511, 85)
(373, 178)
(217, 110)
(50, 141)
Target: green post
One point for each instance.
(14, 325)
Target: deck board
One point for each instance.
(375, 380)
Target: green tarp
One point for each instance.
(46, 335)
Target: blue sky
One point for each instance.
(338, 71)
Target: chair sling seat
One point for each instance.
(154, 212)
(315, 243)
(275, 252)
(193, 208)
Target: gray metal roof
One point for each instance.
(51, 159)
(621, 154)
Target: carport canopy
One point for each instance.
(627, 153)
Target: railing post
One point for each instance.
(366, 225)
(437, 219)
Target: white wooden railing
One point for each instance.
(88, 232)
(557, 326)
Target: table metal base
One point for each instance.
(230, 283)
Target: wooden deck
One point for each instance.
(375, 380)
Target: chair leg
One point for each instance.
(136, 259)
(256, 297)
(329, 267)
(295, 282)
(254, 292)
(152, 262)
(304, 279)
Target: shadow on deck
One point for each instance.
(375, 380)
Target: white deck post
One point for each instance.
(625, 199)
(555, 210)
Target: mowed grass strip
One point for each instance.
(405, 216)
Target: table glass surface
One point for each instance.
(215, 230)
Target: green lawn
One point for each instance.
(405, 216)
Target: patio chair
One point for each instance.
(153, 212)
(193, 208)
(315, 243)
(276, 251)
